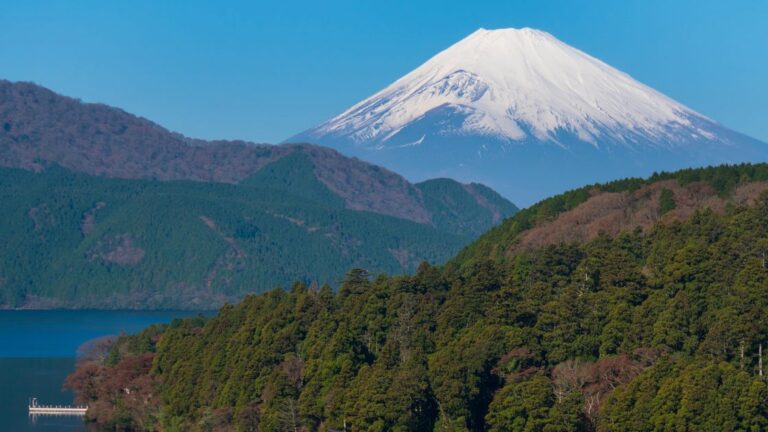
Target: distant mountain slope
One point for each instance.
(38, 127)
(624, 205)
(74, 240)
(530, 116)
(464, 208)
(105, 209)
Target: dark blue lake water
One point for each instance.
(37, 351)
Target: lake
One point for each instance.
(37, 351)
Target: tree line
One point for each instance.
(658, 330)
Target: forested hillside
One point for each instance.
(582, 214)
(74, 240)
(114, 211)
(657, 327)
(39, 128)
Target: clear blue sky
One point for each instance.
(264, 70)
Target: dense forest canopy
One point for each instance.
(649, 329)
(76, 240)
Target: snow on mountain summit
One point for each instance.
(513, 82)
(506, 106)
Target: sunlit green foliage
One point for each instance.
(658, 330)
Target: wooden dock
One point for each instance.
(35, 409)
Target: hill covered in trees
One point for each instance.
(621, 205)
(105, 209)
(39, 128)
(75, 240)
(659, 326)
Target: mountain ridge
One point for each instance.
(625, 205)
(40, 126)
(104, 209)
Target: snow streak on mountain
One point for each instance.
(530, 116)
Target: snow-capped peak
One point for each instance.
(517, 84)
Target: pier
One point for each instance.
(35, 409)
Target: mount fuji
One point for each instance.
(530, 116)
